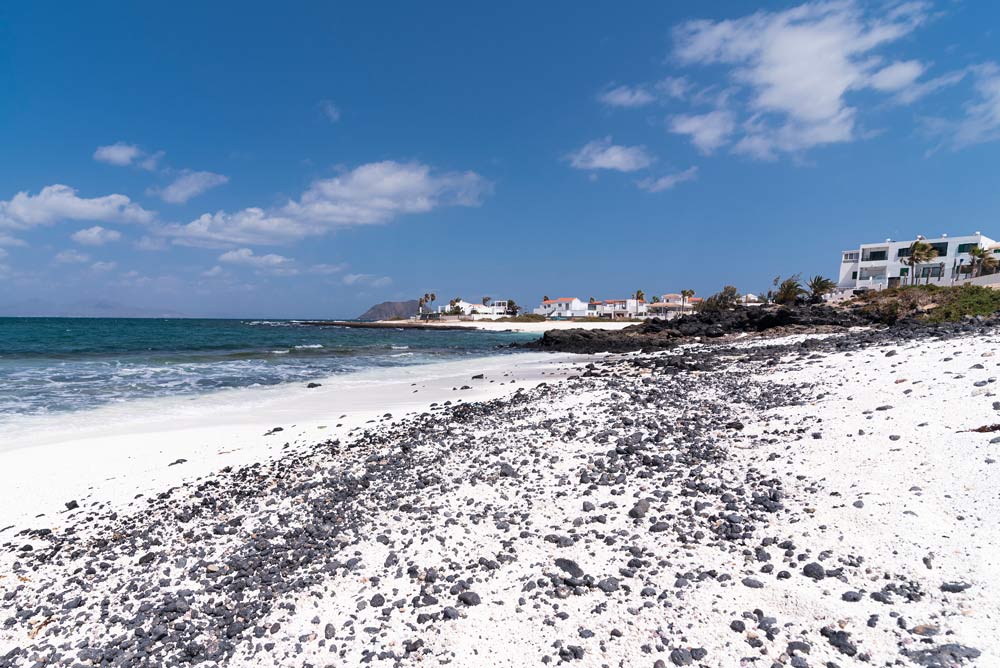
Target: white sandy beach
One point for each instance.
(528, 327)
(115, 452)
(532, 515)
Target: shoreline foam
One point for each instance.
(125, 449)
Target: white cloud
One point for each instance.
(603, 154)
(371, 194)
(981, 121)
(326, 269)
(669, 181)
(246, 257)
(367, 279)
(330, 110)
(674, 87)
(252, 226)
(68, 256)
(629, 97)
(797, 66)
(707, 131)
(151, 244)
(7, 240)
(58, 202)
(626, 96)
(103, 266)
(3, 253)
(213, 272)
(897, 76)
(920, 89)
(120, 154)
(191, 184)
(151, 161)
(96, 236)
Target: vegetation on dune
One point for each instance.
(983, 261)
(788, 292)
(524, 317)
(932, 303)
(819, 286)
(726, 298)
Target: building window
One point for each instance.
(903, 252)
(941, 247)
(934, 272)
(876, 256)
(965, 248)
(905, 271)
(854, 275)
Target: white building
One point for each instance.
(493, 310)
(562, 307)
(617, 308)
(883, 265)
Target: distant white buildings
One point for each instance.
(883, 265)
(573, 307)
(562, 307)
(480, 311)
(671, 304)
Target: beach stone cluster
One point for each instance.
(647, 510)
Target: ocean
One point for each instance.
(52, 365)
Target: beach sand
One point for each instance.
(798, 501)
(529, 327)
(117, 452)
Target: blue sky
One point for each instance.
(244, 160)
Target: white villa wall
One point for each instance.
(858, 272)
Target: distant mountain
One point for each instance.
(38, 308)
(390, 310)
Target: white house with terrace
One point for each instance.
(562, 307)
(492, 311)
(572, 307)
(877, 266)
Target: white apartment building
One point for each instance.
(562, 307)
(496, 309)
(617, 308)
(572, 307)
(883, 265)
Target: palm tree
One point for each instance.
(592, 300)
(989, 263)
(685, 296)
(420, 306)
(640, 296)
(545, 298)
(789, 291)
(982, 260)
(819, 286)
(921, 252)
(486, 300)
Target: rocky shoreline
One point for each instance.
(704, 506)
(657, 334)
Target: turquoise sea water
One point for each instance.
(63, 364)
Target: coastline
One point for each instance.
(805, 500)
(115, 452)
(481, 325)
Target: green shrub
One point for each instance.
(966, 300)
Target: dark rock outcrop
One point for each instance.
(658, 334)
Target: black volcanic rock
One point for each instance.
(658, 334)
(391, 310)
